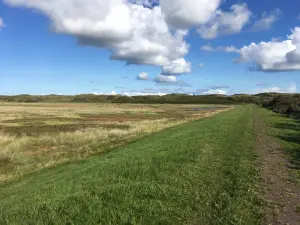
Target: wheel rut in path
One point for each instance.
(281, 195)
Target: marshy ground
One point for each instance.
(35, 136)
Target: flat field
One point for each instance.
(36, 136)
(148, 164)
(200, 172)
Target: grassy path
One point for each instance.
(279, 161)
(201, 172)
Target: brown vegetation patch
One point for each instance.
(33, 130)
(119, 117)
(6, 165)
(40, 120)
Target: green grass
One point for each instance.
(287, 131)
(202, 172)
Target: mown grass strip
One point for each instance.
(201, 172)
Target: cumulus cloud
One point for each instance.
(274, 56)
(165, 91)
(177, 67)
(276, 39)
(143, 76)
(134, 33)
(113, 92)
(226, 23)
(290, 89)
(161, 79)
(184, 14)
(267, 20)
(228, 49)
(144, 92)
(215, 92)
(165, 79)
(145, 32)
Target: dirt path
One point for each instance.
(281, 196)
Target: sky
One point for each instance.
(143, 47)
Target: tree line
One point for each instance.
(281, 103)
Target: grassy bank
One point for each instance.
(201, 172)
(287, 131)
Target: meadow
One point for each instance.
(72, 163)
(34, 136)
(192, 173)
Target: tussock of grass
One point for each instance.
(201, 172)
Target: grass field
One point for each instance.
(35, 136)
(201, 172)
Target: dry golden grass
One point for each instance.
(36, 136)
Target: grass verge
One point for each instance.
(201, 172)
(287, 131)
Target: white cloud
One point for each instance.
(165, 79)
(201, 65)
(177, 67)
(113, 92)
(184, 14)
(226, 23)
(276, 39)
(228, 49)
(272, 90)
(135, 34)
(274, 56)
(144, 93)
(143, 76)
(267, 20)
(136, 31)
(215, 92)
(207, 48)
(290, 89)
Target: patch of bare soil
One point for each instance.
(281, 195)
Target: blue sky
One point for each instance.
(36, 59)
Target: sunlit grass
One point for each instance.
(36, 136)
(201, 172)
